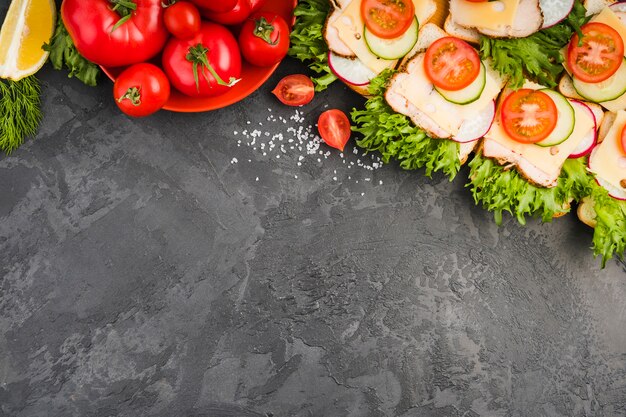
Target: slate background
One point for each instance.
(146, 274)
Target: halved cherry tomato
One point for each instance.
(623, 139)
(599, 55)
(528, 116)
(295, 90)
(334, 128)
(182, 19)
(141, 90)
(451, 64)
(387, 19)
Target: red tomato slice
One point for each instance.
(295, 90)
(623, 139)
(387, 19)
(451, 64)
(334, 128)
(528, 116)
(598, 56)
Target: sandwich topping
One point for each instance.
(596, 56)
(451, 64)
(528, 116)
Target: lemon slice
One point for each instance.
(27, 26)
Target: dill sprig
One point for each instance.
(20, 111)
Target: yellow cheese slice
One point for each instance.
(418, 89)
(350, 27)
(548, 159)
(608, 155)
(493, 15)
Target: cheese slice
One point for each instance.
(609, 160)
(547, 159)
(418, 90)
(608, 17)
(492, 15)
(350, 27)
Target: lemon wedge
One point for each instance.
(27, 26)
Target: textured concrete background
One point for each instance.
(159, 267)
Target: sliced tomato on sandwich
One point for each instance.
(451, 64)
(528, 116)
(388, 19)
(623, 139)
(598, 55)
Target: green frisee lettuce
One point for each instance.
(609, 235)
(307, 42)
(499, 189)
(396, 137)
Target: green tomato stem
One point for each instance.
(133, 94)
(264, 30)
(125, 8)
(197, 55)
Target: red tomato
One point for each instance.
(387, 19)
(141, 90)
(106, 38)
(623, 139)
(295, 90)
(528, 116)
(264, 39)
(205, 65)
(235, 16)
(451, 64)
(255, 5)
(219, 6)
(182, 19)
(334, 128)
(600, 54)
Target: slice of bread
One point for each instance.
(461, 32)
(586, 212)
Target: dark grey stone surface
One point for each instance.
(145, 272)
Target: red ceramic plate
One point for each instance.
(251, 77)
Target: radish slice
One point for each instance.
(554, 11)
(477, 127)
(591, 138)
(618, 8)
(351, 71)
(616, 193)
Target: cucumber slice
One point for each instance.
(606, 90)
(565, 119)
(392, 48)
(468, 94)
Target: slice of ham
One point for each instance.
(331, 34)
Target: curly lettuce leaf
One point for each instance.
(63, 53)
(307, 42)
(609, 235)
(498, 190)
(538, 56)
(396, 137)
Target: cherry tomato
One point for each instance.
(451, 64)
(218, 6)
(387, 19)
(235, 16)
(623, 139)
(141, 90)
(334, 128)
(205, 65)
(600, 54)
(264, 39)
(295, 90)
(528, 116)
(182, 19)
